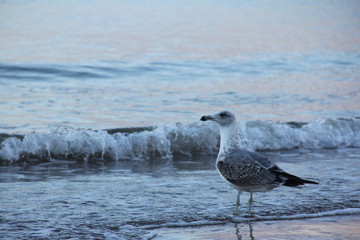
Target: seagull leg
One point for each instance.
(250, 202)
(237, 203)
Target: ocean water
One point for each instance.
(100, 104)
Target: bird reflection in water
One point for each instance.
(243, 226)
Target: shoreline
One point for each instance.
(329, 227)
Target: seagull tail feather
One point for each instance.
(294, 181)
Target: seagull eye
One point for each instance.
(223, 114)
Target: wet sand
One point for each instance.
(334, 227)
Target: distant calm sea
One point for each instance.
(100, 104)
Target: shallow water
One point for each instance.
(332, 227)
(115, 200)
(145, 72)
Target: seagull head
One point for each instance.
(223, 118)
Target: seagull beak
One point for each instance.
(206, 118)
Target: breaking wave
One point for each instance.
(171, 139)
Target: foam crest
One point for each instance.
(317, 134)
(161, 142)
(168, 140)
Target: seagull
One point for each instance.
(244, 170)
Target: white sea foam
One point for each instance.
(322, 133)
(170, 139)
(338, 212)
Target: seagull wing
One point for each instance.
(244, 168)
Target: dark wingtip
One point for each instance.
(294, 181)
(310, 182)
(289, 179)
